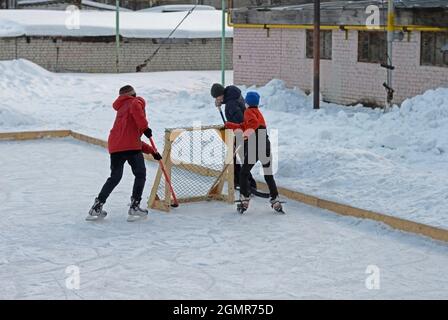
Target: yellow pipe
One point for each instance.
(424, 28)
(330, 27)
(390, 18)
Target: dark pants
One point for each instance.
(250, 159)
(117, 161)
(237, 173)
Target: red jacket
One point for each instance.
(253, 120)
(129, 125)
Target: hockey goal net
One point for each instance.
(199, 163)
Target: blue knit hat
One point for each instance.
(253, 99)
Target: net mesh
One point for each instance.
(197, 164)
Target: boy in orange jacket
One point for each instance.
(255, 133)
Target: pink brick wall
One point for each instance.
(260, 55)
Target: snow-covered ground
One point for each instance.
(197, 251)
(394, 163)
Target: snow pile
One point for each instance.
(200, 24)
(23, 79)
(21, 67)
(427, 116)
(10, 28)
(394, 163)
(10, 118)
(419, 126)
(277, 97)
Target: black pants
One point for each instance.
(250, 159)
(237, 173)
(117, 161)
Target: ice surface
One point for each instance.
(198, 251)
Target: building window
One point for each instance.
(372, 46)
(325, 44)
(431, 50)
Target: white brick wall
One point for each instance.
(61, 54)
(260, 56)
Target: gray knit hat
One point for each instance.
(126, 90)
(217, 90)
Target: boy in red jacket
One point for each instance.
(257, 147)
(124, 144)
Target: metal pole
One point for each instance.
(316, 51)
(117, 34)
(390, 41)
(223, 44)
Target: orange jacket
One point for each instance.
(253, 120)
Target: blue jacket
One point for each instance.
(235, 105)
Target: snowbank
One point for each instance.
(9, 28)
(10, 118)
(420, 126)
(200, 24)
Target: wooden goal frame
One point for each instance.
(226, 175)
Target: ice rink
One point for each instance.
(198, 251)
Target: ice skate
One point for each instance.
(242, 204)
(276, 204)
(96, 212)
(135, 212)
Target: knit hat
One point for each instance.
(252, 99)
(217, 90)
(127, 89)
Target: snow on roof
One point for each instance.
(200, 24)
(87, 3)
(25, 2)
(103, 6)
(177, 8)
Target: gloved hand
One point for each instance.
(148, 133)
(157, 156)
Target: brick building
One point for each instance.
(277, 43)
(8, 4)
(58, 49)
(97, 54)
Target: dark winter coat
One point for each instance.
(235, 105)
(129, 125)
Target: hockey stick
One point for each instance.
(218, 179)
(222, 116)
(167, 178)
